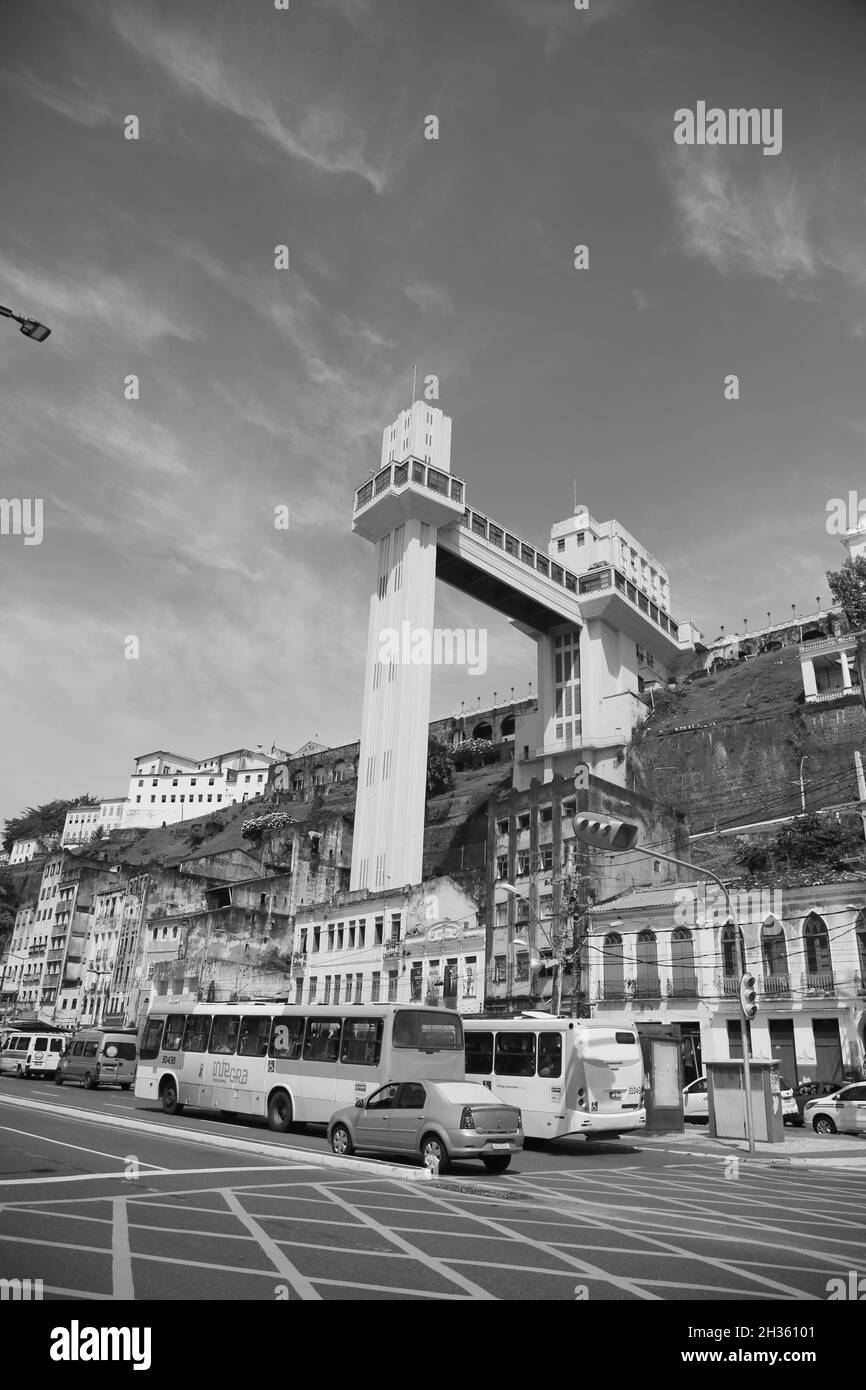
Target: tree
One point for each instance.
(38, 822)
(440, 768)
(809, 842)
(848, 587)
(8, 901)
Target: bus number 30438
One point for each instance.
(168, 1059)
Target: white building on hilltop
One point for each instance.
(167, 787)
(83, 822)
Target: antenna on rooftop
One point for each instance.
(575, 494)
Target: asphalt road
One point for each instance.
(101, 1213)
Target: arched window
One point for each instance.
(816, 943)
(483, 731)
(507, 730)
(733, 959)
(614, 987)
(647, 961)
(684, 983)
(861, 944)
(774, 954)
(320, 776)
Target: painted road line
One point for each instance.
(269, 1247)
(219, 1141)
(65, 1144)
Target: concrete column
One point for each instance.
(846, 670)
(807, 668)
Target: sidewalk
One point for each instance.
(803, 1149)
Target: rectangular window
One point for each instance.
(195, 1038)
(255, 1033)
(336, 989)
(152, 1039)
(224, 1035)
(362, 1042)
(515, 1054)
(499, 970)
(326, 997)
(311, 997)
(375, 986)
(287, 1037)
(428, 1030)
(174, 1026)
(359, 988)
(392, 986)
(378, 930)
(322, 1041)
(550, 1054)
(479, 1054)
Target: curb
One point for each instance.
(769, 1160)
(223, 1141)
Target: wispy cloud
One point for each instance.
(322, 135)
(73, 101)
(559, 22)
(429, 298)
(82, 296)
(762, 226)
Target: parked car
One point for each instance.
(97, 1057)
(696, 1102)
(790, 1111)
(438, 1121)
(810, 1090)
(31, 1054)
(844, 1111)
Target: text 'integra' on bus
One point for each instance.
(287, 1063)
(567, 1076)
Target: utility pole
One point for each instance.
(580, 901)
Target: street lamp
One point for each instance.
(614, 836)
(29, 327)
(556, 998)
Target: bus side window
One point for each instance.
(286, 1038)
(197, 1033)
(225, 1034)
(515, 1054)
(174, 1027)
(479, 1053)
(550, 1054)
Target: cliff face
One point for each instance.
(727, 749)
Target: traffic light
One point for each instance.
(748, 995)
(604, 833)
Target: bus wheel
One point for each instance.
(168, 1096)
(433, 1152)
(497, 1163)
(341, 1141)
(280, 1112)
(229, 1114)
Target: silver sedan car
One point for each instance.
(435, 1120)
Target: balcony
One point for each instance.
(728, 986)
(299, 962)
(611, 993)
(818, 982)
(392, 950)
(409, 488)
(775, 986)
(682, 988)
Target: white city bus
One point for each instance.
(568, 1076)
(289, 1063)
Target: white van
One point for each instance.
(31, 1054)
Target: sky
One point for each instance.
(262, 387)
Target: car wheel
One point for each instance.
(433, 1151)
(822, 1124)
(280, 1112)
(497, 1163)
(168, 1096)
(58, 1077)
(20, 1074)
(341, 1141)
(89, 1083)
(125, 1085)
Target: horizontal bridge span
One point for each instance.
(502, 581)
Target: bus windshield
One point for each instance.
(428, 1031)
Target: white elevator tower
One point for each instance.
(400, 510)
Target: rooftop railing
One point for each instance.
(398, 475)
